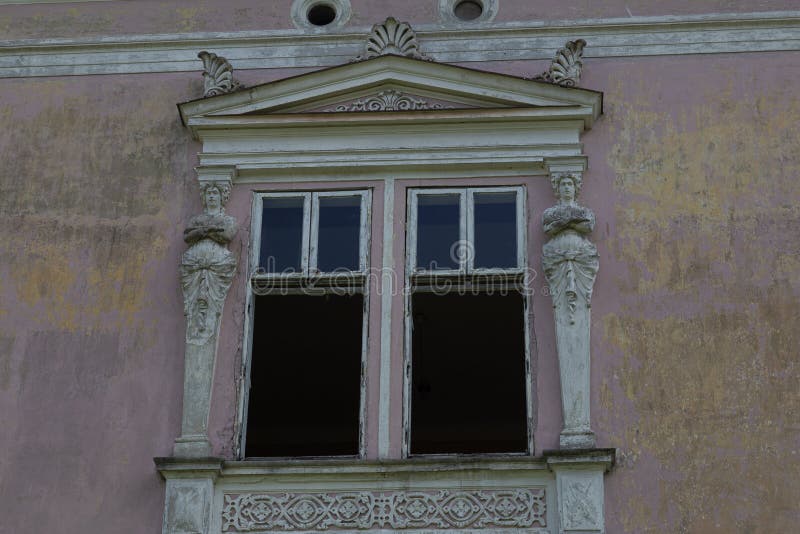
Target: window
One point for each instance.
(467, 356)
(309, 328)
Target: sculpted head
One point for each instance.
(566, 186)
(215, 195)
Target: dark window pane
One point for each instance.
(495, 230)
(305, 387)
(468, 374)
(339, 233)
(282, 235)
(437, 231)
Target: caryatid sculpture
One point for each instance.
(570, 266)
(207, 269)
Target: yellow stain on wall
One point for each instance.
(706, 387)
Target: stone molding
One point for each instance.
(560, 492)
(523, 41)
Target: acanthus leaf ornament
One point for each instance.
(395, 38)
(217, 75)
(389, 100)
(566, 67)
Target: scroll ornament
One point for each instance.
(207, 267)
(566, 67)
(217, 75)
(392, 37)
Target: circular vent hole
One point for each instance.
(468, 10)
(321, 14)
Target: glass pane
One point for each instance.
(282, 235)
(339, 233)
(438, 231)
(495, 230)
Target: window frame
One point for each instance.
(322, 283)
(420, 280)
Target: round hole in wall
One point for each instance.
(321, 14)
(468, 9)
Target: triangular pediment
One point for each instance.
(397, 84)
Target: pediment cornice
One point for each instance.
(444, 87)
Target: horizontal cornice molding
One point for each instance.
(619, 37)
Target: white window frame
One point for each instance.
(310, 236)
(323, 282)
(421, 280)
(466, 229)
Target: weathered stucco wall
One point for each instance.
(696, 374)
(693, 177)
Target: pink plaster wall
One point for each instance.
(693, 178)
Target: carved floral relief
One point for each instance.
(394, 510)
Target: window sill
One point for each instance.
(471, 495)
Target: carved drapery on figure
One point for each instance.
(207, 269)
(570, 265)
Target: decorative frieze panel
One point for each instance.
(389, 100)
(523, 510)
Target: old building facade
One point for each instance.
(441, 266)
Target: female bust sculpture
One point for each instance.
(207, 267)
(569, 258)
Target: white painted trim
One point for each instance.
(387, 291)
(517, 41)
(467, 232)
(310, 232)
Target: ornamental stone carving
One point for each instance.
(188, 506)
(389, 100)
(392, 37)
(570, 264)
(207, 269)
(580, 499)
(217, 75)
(466, 511)
(580, 508)
(565, 69)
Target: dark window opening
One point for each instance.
(468, 374)
(321, 15)
(305, 378)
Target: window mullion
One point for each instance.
(522, 226)
(468, 229)
(363, 241)
(411, 229)
(310, 232)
